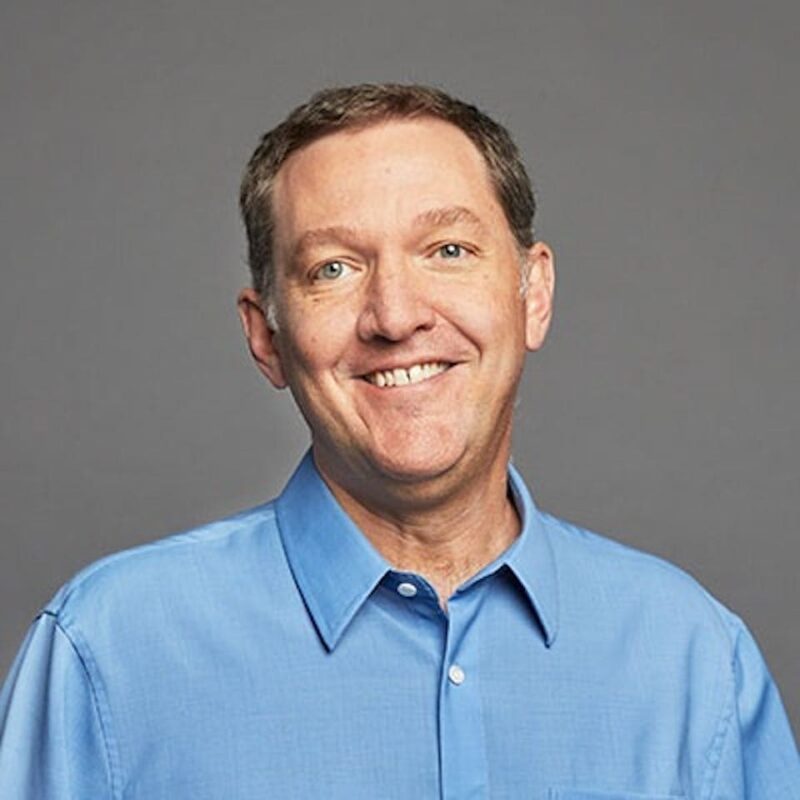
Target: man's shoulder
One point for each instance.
(599, 572)
(182, 564)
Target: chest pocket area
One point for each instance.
(586, 794)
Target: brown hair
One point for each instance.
(348, 107)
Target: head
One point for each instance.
(391, 239)
(354, 107)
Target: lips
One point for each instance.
(406, 376)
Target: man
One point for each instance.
(402, 621)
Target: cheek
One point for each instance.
(487, 317)
(316, 343)
(308, 354)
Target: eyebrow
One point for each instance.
(333, 234)
(432, 218)
(449, 215)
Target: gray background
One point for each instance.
(663, 138)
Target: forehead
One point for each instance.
(381, 174)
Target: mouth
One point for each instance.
(417, 373)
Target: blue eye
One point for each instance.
(331, 271)
(451, 250)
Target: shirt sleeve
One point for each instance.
(758, 759)
(52, 745)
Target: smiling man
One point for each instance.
(400, 326)
(402, 621)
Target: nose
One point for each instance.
(396, 304)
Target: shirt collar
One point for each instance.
(532, 560)
(336, 568)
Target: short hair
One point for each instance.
(352, 107)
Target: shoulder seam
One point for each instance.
(713, 755)
(102, 716)
(715, 749)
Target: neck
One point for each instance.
(446, 541)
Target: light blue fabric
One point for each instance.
(271, 655)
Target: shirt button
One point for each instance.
(456, 675)
(407, 589)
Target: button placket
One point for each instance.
(461, 727)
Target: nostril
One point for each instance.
(394, 320)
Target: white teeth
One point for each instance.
(404, 377)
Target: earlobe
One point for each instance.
(539, 294)
(261, 337)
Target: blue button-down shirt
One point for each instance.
(276, 654)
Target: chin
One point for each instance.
(416, 462)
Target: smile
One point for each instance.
(405, 377)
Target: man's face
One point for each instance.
(402, 326)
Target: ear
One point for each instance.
(541, 282)
(261, 338)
